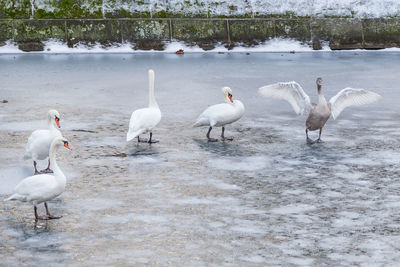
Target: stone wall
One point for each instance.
(147, 33)
(149, 24)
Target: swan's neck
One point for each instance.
(152, 99)
(321, 97)
(53, 163)
(50, 123)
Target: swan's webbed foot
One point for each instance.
(54, 217)
(141, 140)
(48, 217)
(37, 172)
(309, 141)
(319, 140)
(223, 138)
(151, 140)
(48, 170)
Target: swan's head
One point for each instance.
(54, 117)
(319, 81)
(61, 141)
(227, 92)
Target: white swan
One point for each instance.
(40, 188)
(39, 141)
(319, 113)
(221, 114)
(145, 119)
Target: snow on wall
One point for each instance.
(249, 8)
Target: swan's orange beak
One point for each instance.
(58, 122)
(230, 98)
(66, 145)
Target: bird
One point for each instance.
(38, 145)
(319, 112)
(145, 119)
(221, 115)
(41, 188)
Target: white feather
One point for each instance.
(351, 97)
(289, 91)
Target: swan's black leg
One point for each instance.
(152, 141)
(49, 216)
(319, 136)
(35, 210)
(47, 170)
(309, 141)
(223, 136)
(37, 217)
(208, 136)
(34, 165)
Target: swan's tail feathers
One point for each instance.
(129, 136)
(133, 134)
(10, 198)
(201, 122)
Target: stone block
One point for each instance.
(156, 30)
(251, 30)
(381, 33)
(6, 30)
(38, 30)
(341, 33)
(90, 31)
(298, 29)
(200, 30)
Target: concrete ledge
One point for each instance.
(147, 33)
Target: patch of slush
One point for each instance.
(293, 209)
(126, 218)
(216, 184)
(194, 201)
(240, 164)
(95, 204)
(254, 259)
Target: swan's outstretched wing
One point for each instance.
(351, 97)
(289, 91)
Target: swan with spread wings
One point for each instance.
(319, 112)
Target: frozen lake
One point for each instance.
(267, 198)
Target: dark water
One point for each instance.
(266, 198)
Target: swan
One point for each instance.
(38, 145)
(41, 188)
(145, 119)
(221, 114)
(321, 112)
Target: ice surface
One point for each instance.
(266, 198)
